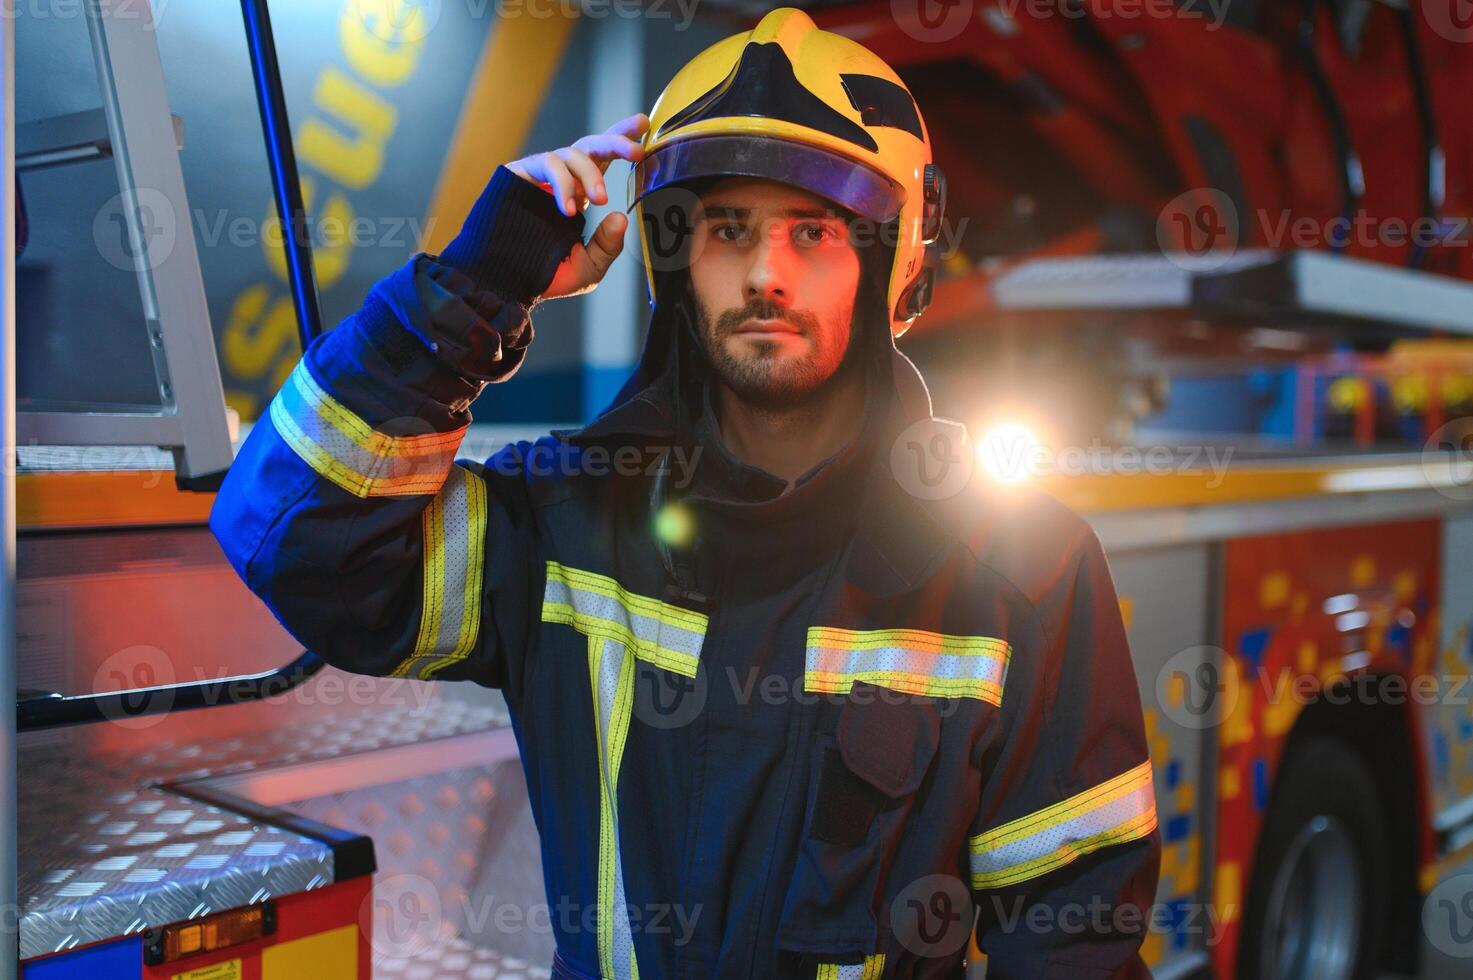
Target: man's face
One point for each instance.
(775, 275)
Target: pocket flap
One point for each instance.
(888, 740)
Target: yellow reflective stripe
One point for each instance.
(347, 451)
(923, 640)
(611, 673)
(1120, 810)
(596, 605)
(908, 660)
(872, 968)
(453, 527)
(642, 605)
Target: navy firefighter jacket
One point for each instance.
(834, 730)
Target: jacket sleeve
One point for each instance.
(1064, 850)
(346, 510)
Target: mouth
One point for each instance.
(766, 327)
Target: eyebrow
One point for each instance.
(740, 213)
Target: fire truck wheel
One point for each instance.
(1317, 904)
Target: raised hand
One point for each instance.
(574, 175)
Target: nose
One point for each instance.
(770, 276)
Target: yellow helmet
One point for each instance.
(790, 102)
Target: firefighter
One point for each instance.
(784, 709)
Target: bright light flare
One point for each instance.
(1007, 451)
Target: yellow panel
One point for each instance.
(496, 117)
(331, 955)
(229, 970)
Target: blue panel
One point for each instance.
(1260, 783)
(118, 960)
(1251, 645)
(1177, 828)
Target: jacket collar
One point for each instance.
(898, 541)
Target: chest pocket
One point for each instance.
(867, 774)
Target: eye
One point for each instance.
(730, 232)
(814, 233)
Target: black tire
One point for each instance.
(1325, 802)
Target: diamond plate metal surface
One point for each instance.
(462, 846)
(455, 958)
(106, 852)
(101, 857)
(317, 735)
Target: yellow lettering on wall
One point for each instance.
(332, 245)
(259, 333)
(383, 39)
(354, 161)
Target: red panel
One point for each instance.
(297, 916)
(1277, 631)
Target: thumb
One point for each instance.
(607, 242)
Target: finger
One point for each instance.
(605, 148)
(561, 179)
(630, 126)
(587, 173)
(607, 242)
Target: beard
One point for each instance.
(768, 377)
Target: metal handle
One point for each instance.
(56, 710)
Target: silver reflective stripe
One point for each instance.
(872, 968)
(1114, 812)
(597, 605)
(347, 451)
(453, 527)
(611, 671)
(913, 661)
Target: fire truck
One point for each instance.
(1208, 282)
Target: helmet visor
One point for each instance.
(866, 192)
